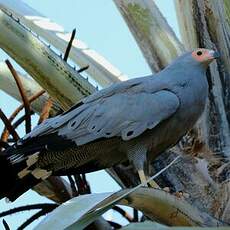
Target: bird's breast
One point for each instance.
(169, 132)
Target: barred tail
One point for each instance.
(16, 177)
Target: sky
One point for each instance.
(101, 27)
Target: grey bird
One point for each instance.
(135, 120)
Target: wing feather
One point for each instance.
(124, 115)
(126, 109)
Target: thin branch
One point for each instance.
(8, 125)
(87, 187)
(5, 133)
(33, 218)
(73, 186)
(83, 69)
(9, 86)
(82, 184)
(23, 95)
(45, 111)
(20, 120)
(69, 45)
(7, 227)
(29, 207)
(123, 213)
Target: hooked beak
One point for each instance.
(214, 54)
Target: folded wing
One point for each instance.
(126, 114)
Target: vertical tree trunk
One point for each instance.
(156, 39)
(205, 24)
(202, 24)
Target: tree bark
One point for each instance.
(210, 138)
(203, 24)
(156, 39)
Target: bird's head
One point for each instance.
(204, 56)
(200, 58)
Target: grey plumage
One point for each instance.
(134, 120)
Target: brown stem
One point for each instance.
(5, 133)
(69, 45)
(23, 95)
(45, 111)
(9, 126)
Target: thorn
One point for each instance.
(83, 69)
(69, 45)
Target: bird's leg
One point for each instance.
(142, 176)
(151, 183)
(143, 179)
(139, 159)
(154, 184)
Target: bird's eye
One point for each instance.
(199, 53)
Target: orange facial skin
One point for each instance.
(205, 56)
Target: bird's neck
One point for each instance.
(182, 73)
